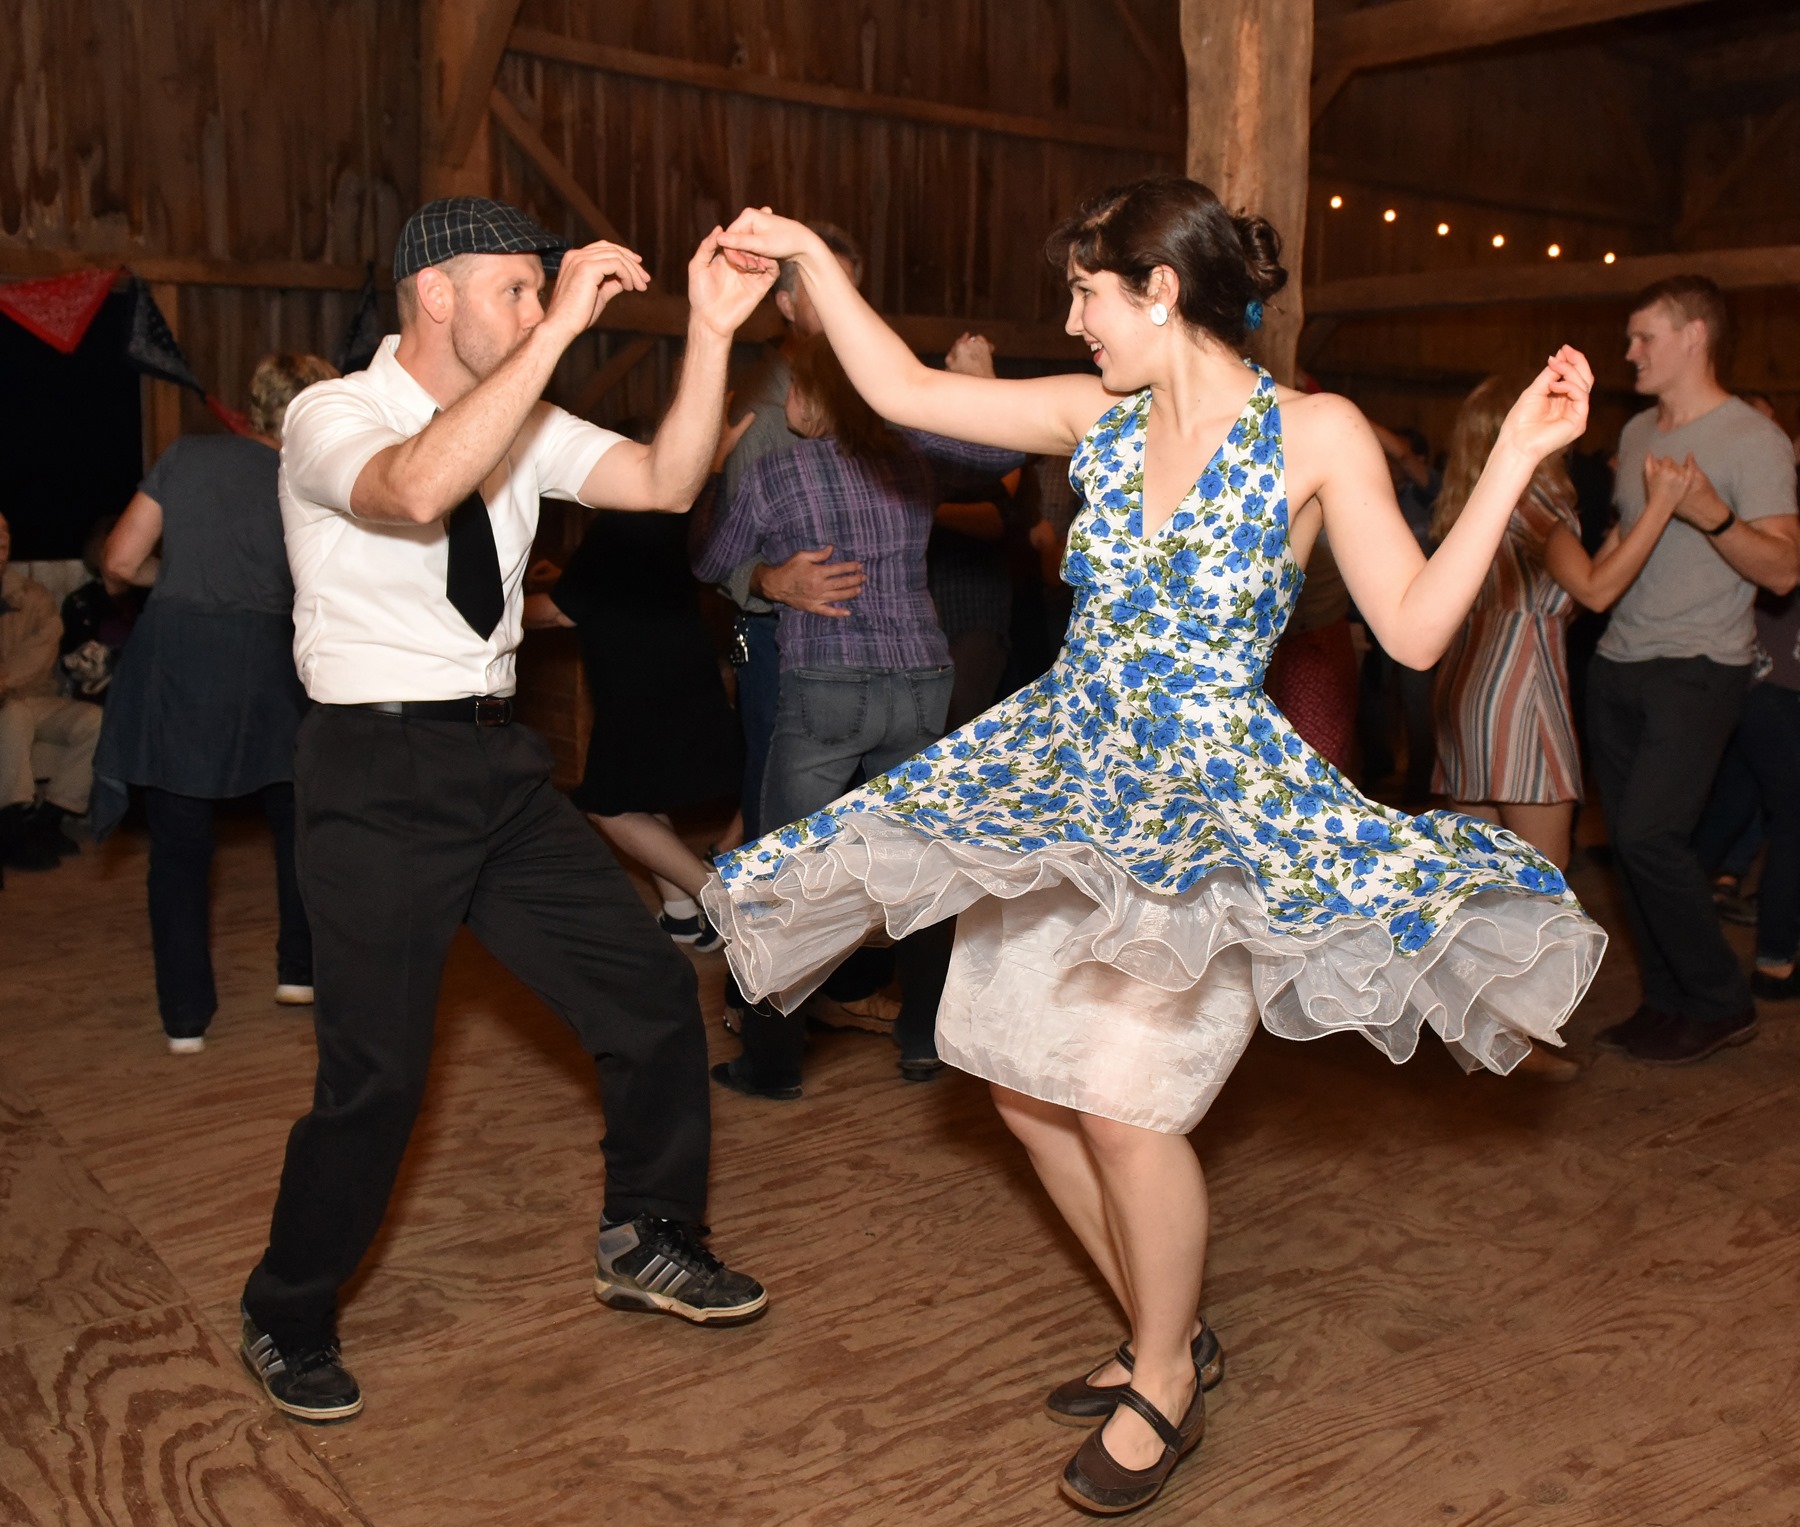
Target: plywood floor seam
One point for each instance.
(1445, 1299)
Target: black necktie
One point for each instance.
(473, 580)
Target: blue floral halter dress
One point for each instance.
(1143, 855)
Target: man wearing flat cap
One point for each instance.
(409, 497)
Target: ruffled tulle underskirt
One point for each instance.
(1074, 983)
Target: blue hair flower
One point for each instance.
(1253, 313)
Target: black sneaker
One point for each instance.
(310, 1385)
(661, 1266)
(696, 931)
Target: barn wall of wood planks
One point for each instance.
(264, 152)
(227, 134)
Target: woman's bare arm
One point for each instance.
(1597, 582)
(1039, 415)
(129, 556)
(1414, 604)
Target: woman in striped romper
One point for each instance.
(1505, 729)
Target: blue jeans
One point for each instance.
(180, 890)
(832, 721)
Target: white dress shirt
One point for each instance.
(371, 619)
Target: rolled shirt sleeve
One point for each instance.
(329, 435)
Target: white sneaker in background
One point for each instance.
(190, 1044)
(287, 995)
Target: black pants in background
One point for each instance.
(1656, 732)
(407, 830)
(180, 892)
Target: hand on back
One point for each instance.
(809, 581)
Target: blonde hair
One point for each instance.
(276, 382)
(1472, 440)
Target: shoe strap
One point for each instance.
(1158, 1422)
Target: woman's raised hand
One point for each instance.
(1552, 412)
(756, 231)
(1666, 482)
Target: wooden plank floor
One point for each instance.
(1445, 1299)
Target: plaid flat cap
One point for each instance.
(458, 225)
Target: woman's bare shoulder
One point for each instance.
(1319, 413)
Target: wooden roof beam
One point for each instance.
(18, 262)
(681, 71)
(1407, 31)
(1559, 281)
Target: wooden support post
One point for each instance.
(162, 400)
(460, 44)
(1249, 84)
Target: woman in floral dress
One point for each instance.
(1145, 860)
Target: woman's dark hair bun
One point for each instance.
(1224, 262)
(1262, 253)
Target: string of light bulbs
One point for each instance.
(1391, 215)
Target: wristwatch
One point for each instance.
(1723, 525)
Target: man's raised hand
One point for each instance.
(724, 291)
(588, 279)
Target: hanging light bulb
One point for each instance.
(1554, 251)
(1336, 202)
(1443, 228)
(1389, 215)
(1499, 241)
(1609, 257)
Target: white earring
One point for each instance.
(1159, 314)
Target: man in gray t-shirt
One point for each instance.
(1669, 677)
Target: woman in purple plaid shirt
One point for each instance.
(868, 686)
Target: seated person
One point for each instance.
(31, 711)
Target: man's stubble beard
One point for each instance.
(481, 356)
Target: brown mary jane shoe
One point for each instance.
(1096, 1481)
(1080, 1403)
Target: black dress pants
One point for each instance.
(1656, 732)
(406, 830)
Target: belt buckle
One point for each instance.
(493, 710)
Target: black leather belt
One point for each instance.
(482, 710)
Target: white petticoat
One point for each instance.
(1034, 1000)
